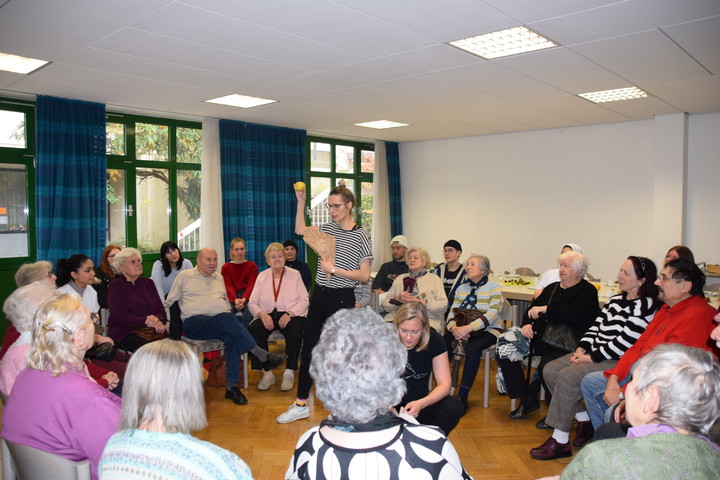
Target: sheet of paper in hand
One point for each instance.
(322, 243)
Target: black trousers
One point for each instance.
(292, 332)
(324, 302)
(514, 374)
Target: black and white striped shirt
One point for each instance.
(351, 248)
(619, 325)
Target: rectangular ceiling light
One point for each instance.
(242, 101)
(614, 95)
(503, 43)
(18, 64)
(380, 124)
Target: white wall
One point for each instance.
(517, 198)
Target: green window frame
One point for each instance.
(144, 149)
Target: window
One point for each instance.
(17, 232)
(153, 182)
(331, 162)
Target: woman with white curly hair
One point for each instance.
(358, 367)
(672, 403)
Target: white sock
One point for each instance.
(288, 370)
(560, 436)
(582, 416)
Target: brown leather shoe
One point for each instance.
(551, 449)
(584, 432)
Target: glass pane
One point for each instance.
(153, 208)
(115, 138)
(319, 157)
(188, 210)
(151, 142)
(344, 159)
(189, 145)
(366, 205)
(12, 129)
(116, 203)
(367, 161)
(319, 191)
(13, 211)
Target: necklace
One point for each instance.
(276, 291)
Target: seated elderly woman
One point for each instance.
(20, 307)
(28, 273)
(357, 366)
(553, 275)
(418, 285)
(474, 322)
(279, 301)
(54, 405)
(622, 320)
(671, 403)
(571, 302)
(427, 358)
(137, 315)
(163, 402)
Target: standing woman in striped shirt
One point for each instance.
(334, 283)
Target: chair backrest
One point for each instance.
(526, 272)
(30, 463)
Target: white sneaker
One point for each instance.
(295, 412)
(288, 381)
(267, 381)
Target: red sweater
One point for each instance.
(688, 323)
(239, 276)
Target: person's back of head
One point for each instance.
(32, 272)
(357, 366)
(22, 305)
(163, 383)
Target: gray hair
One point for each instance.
(163, 380)
(358, 365)
(578, 261)
(482, 260)
(688, 384)
(55, 324)
(22, 304)
(122, 256)
(277, 246)
(32, 272)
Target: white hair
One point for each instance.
(122, 256)
(22, 305)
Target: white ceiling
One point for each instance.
(331, 64)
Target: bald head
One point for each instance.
(207, 261)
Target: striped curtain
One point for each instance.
(70, 178)
(258, 165)
(393, 172)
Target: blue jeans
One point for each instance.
(593, 388)
(225, 327)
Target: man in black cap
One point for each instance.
(451, 272)
(291, 260)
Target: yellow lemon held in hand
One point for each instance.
(299, 186)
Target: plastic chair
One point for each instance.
(28, 463)
(214, 345)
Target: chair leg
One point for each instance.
(244, 357)
(486, 378)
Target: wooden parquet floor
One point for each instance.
(490, 445)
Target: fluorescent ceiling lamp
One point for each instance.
(242, 101)
(18, 64)
(380, 124)
(614, 95)
(503, 43)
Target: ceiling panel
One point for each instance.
(701, 40)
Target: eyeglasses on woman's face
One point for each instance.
(334, 206)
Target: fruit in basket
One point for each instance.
(299, 186)
(517, 281)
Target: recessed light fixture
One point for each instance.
(18, 64)
(380, 124)
(242, 101)
(506, 42)
(616, 95)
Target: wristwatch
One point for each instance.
(621, 395)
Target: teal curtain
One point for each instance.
(70, 172)
(392, 152)
(258, 165)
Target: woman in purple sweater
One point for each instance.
(55, 406)
(134, 302)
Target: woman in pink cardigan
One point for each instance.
(279, 301)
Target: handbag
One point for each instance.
(104, 352)
(217, 373)
(149, 334)
(561, 336)
(465, 316)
